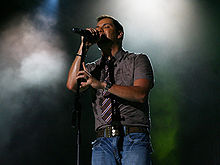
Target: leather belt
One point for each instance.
(111, 131)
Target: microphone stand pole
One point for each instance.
(77, 113)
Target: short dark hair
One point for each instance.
(118, 26)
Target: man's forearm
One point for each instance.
(130, 93)
(71, 81)
(74, 69)
(136, 93)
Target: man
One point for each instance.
(121, 82)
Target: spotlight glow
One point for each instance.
(50, 7)
(155, 21)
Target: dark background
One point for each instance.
(37, 48)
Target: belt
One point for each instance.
(111, 131)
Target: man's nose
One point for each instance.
(100, 29)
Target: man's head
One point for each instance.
(111, 28)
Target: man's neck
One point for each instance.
(109, 52)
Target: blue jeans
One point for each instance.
(135, 150)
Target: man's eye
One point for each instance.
(106, 26)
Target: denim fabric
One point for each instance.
(133, 149)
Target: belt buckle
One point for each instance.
(115, 132)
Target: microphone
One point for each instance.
(82, 32)
(86, 34)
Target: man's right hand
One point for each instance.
(91, 39)
(87, 41)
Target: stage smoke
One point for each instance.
(32, 67)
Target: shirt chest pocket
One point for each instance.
(124, 75)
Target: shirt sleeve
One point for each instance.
(143, 68)
(92, 65)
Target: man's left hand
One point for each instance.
(90, 80)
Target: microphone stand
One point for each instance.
(77, 113)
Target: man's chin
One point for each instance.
(103, 45)
(104, 42)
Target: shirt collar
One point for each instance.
(116, 57)
(119, 54)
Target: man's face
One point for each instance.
(107, 28)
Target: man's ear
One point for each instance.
(120, 34)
